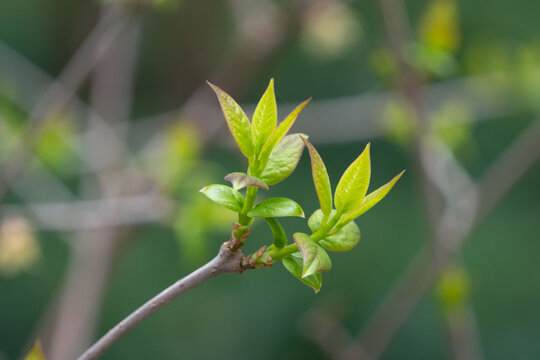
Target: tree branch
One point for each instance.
(226, 261)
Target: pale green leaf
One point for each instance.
(294, 264)
(241, 180)
(276, 207)
(280, 238)
(353, 185)
(373, 198)
(35, 353)
(283, 160)
(280, 132)
(343, 240)
(316, 259)
(264, 118)
(225, 196)
(237, 121)
(320, 179)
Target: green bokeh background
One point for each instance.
(259, 314)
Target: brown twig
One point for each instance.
(226, 261)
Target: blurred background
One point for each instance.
(108, 131)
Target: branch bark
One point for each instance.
(225, 262)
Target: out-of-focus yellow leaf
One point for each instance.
(453, 288)
(439, 26)
(53, 145)
(36, 353)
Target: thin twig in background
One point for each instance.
(405, 294)
(81, 296)
(465, 207)
(61, 91)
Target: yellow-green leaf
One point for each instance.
(237, 121)
(353, 185)
(283, 160)
(293, 264)
(35, 353)
(280, 132)
(224, 195)
(276, 207)
(316, 259)
(320, 179)
(373, 198)
(264, 118)
(439, 25)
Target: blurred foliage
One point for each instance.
(399, 121)
(164, 5)
(36, 353)
(438, 26)
(11, 119)
(453, 124)
(177, 166)
(56, 142)
(453, 288)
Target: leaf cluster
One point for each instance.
(272, 156)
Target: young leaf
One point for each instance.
(373, 198)
(280, 132)
(320, 179)
(264, 118)
(35, 353)
(276, 207)
(283, 160)
(224, 195)
(280, 238)
(315, 258)
(237, 121)
(293, 264)
(343, 240)
(353, 185)
(241, 180)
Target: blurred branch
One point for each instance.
(94, 214)
(437, 168)
(228, 260)
(110, 96)
(398, 303)
(323, 329)
(61, 91)
(511, 165)
(414, 283)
